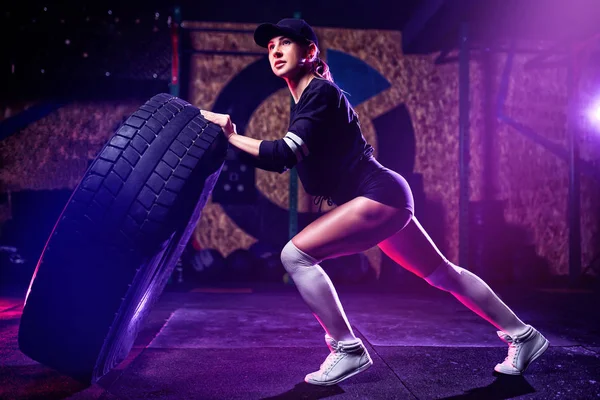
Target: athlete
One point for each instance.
(374, 207)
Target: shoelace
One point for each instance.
(512, 353)
(330, 361)
(514, 344)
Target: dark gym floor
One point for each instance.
(258, 343)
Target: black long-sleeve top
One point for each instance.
(324, 139)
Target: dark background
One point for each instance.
(34, 33)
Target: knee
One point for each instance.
(293, 258)
(446, 276)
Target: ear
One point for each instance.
(311, 52)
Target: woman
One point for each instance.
(374, 207)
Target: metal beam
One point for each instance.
(464, 139)
(574, 189)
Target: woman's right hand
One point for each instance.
(223, 120)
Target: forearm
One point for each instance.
(270, 155)
(246, 144)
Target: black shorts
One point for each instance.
(372, 180)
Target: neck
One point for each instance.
(297, 86)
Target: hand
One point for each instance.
(223, 120)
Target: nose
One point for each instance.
(276, 52)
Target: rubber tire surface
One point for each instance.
(119, 237)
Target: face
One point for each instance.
(288, 59)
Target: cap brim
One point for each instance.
(265, 32)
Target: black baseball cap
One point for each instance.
(294, 28)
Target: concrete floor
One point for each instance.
(259, 342)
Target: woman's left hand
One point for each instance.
(223, 120)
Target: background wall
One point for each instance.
(529, 183)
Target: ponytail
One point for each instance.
(321, 70)
(319, 67)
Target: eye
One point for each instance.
(287, 41)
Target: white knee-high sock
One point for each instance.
(317, 291)
(474, 293)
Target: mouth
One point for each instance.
(279, 63)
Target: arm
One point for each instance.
(268, 155)
(246, 144)
(252, 147)
(306, 125)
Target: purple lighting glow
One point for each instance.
(594, 113)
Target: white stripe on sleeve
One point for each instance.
(294, 147)
(298, 140)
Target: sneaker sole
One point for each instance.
(338, 380)
(541, 351)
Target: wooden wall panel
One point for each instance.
(533, 183)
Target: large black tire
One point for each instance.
(119, 237)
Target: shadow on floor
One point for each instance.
(305, 390)
(504, 387)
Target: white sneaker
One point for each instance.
(522, 350)
(346, 359)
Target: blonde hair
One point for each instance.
(320, 67)
(321, 70)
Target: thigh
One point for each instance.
(353, 227)
(413, 249)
